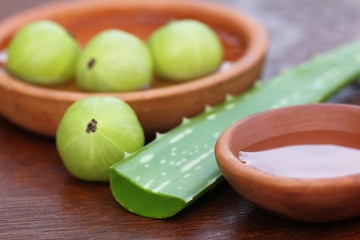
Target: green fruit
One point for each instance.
(94, 134)
(114, 61)
(42, 53)
(185, 49)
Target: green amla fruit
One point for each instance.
(42, 53)
(185, 49)
(114, 60)
(95, 133)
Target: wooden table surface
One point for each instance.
(39, 199)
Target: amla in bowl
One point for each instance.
(159, 107)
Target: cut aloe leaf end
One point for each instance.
(179, 166)
(149, 202)
(146, 200)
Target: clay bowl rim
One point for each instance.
(228, 162)
(255, 49)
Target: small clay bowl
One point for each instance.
(308, 200)
(162, 106)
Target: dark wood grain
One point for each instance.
(39, 199)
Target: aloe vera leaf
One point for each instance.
(176, 168)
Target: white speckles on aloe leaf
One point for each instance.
(196, 137)
(146, 158)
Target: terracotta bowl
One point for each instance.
(162, 106)
(309, 200)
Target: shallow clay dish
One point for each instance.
(309, 200)
(160, 107)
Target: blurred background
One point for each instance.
(297, 29)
